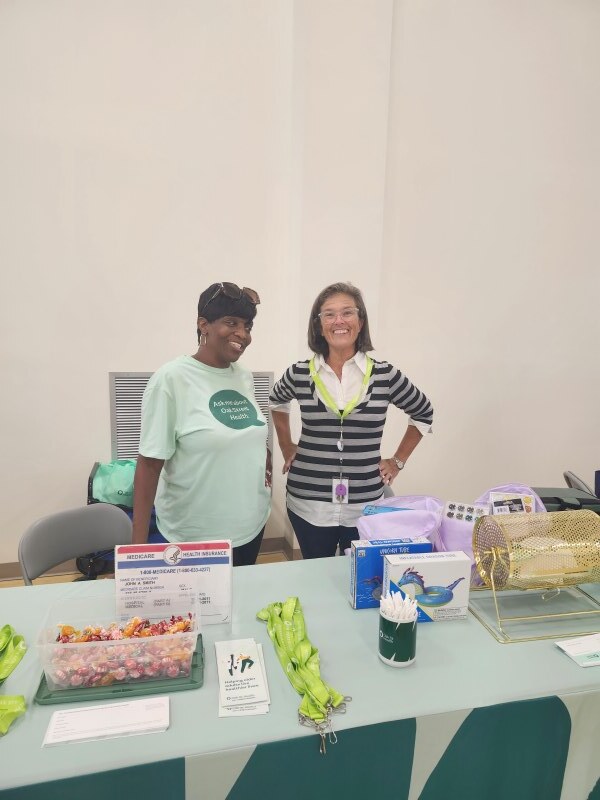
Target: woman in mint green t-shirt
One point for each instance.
(203, 458)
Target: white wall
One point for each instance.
(492, 237)
(441, 156)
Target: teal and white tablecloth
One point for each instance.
(471, 718)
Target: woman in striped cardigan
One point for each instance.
(343, 394)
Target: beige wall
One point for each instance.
(492, 237)
(441, 156)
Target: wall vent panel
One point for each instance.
(126, 392)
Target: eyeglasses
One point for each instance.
(233, 292)
(346, 314)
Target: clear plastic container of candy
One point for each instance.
(85, 643)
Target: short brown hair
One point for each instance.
(316, 340)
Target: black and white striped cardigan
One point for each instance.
(318, 459)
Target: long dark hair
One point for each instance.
(316, 340)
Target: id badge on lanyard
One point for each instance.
(340, 486)
(339, 490)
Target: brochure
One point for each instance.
(242, 681)
(584, 650)
(249, 709)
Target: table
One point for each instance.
(470, 717)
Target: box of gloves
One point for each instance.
(439, 582)
(366, 566)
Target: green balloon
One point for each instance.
(233, 410)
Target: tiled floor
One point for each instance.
(264, 558)
(271, 558)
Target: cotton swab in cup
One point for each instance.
(397, 639)
(398, 607)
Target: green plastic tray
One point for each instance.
(123, 691)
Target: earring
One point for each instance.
(202, 337)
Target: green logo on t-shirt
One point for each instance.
(233, 409)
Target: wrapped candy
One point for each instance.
(137, 651)
(136, 627)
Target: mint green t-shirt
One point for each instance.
(205, 424)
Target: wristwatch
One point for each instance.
(398, 463)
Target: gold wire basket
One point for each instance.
(548, 555)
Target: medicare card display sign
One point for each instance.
(151, 574)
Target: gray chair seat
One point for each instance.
(574, 482)
(69, 534)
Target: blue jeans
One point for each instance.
(319, 542)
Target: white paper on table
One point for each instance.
(241, 676)
(261, 656)
(244, 711)
(252, 708)
(130, 718)
(584, 650)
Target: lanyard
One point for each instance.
(328, 399)
(300, 662)
(341, 490)
(12, 650)
(10, 709)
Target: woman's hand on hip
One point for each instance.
(388, 469)
(289, 454)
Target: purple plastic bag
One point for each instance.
(422, 518)
(458, 534)
(513, 488)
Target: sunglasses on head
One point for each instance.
(233, 292)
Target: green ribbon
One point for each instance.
(6, 634)
(10, 709)
(12, 650)
(300, 662)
